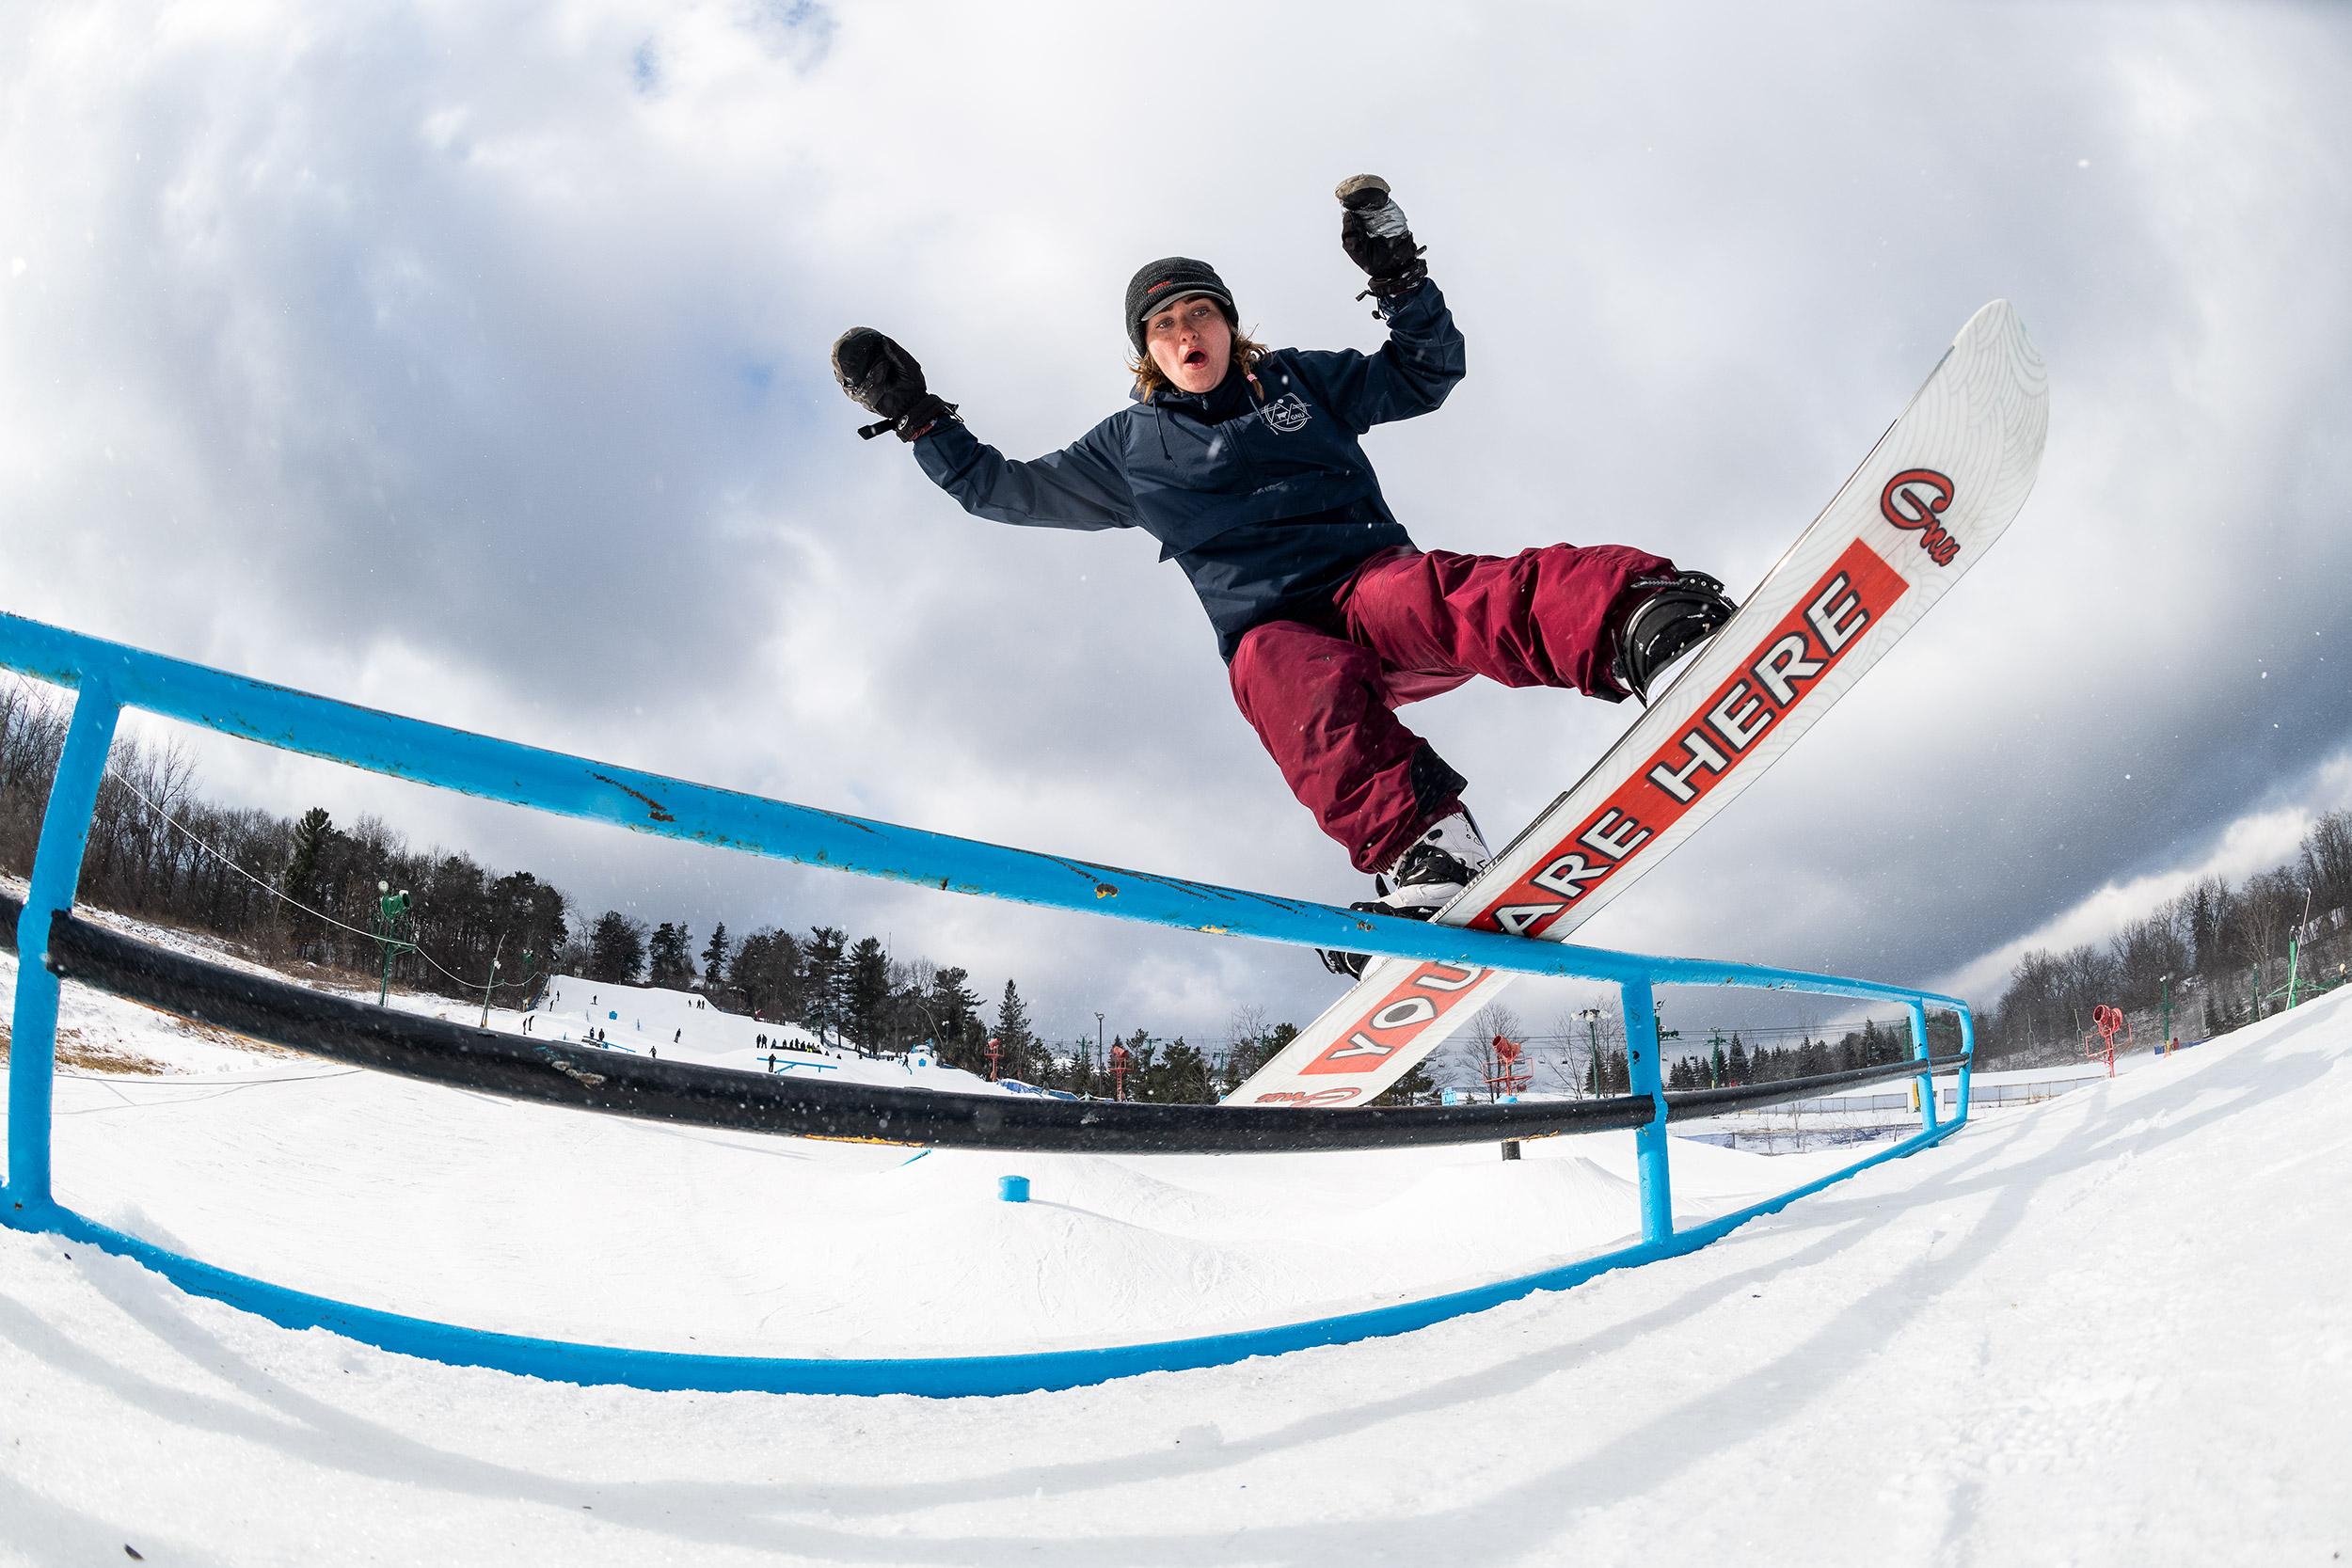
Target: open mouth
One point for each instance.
(1196, 357)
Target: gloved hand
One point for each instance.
(884, 379)
(1374, 234)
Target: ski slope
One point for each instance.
(360, 1186)
(2106, 1328)
(680, 1024)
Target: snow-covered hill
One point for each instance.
(362, 1186)
(2107, 1328)
(682, 1024)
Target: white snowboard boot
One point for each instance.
(1439, 865)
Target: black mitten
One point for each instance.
(1374, 234)
(884, 379)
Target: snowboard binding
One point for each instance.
(1671, 616)
(1446, 859)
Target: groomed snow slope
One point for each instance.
(2110, 1328)
(531, 1220)
(642, 1019)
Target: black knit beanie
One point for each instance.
(1171, 278)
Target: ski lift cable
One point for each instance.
(280, 893)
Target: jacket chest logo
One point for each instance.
(1287, 413)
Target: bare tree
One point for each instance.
(2270, 906)
(1250, 1043)
(2326, 860)
(1565, 1069)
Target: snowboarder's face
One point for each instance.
(1190, 342)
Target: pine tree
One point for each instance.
(715, 955)
(1082, 1079)
(616, 948)
(867, 991)
(1143, 1060)
(767, 973)
(954, 1014)
(1416, 1087)
(668, 955)
(821, 961)
(1014, 1038)
(1181, 1077)
(312, 836)
(1251, 1051)
(747, 971)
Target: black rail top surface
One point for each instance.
(586, 1077)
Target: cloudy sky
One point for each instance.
(468, 359)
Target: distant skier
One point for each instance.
(1244, 462)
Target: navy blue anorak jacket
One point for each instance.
(1263, 495)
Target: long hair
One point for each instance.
(1248, 351)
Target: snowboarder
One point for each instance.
(1244, 462)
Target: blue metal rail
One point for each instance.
(109, 677)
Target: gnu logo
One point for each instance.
(1287, 413)
(1309, 1097)
(1914, 500)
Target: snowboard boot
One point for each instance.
(1661, 618)
(1447, 857)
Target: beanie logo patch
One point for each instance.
(1287, 414)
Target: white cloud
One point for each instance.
(470, 361)
(2251, 844)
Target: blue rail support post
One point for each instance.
(1968, 1047)
(1926, 1081)
(1643, 1077)
(57, 874)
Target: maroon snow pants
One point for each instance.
(1410, 625)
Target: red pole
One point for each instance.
(991, 1058)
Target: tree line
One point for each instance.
(2221, 951)
(1591, 1060)
(2219, 954)
(1732, 1062)
(461, 918)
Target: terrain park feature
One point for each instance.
(54, 944)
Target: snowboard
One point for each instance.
(1933, 495)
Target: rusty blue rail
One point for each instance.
(109, 677)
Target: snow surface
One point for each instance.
(680, 1025)
(2105, 1328)
(360, 1186)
